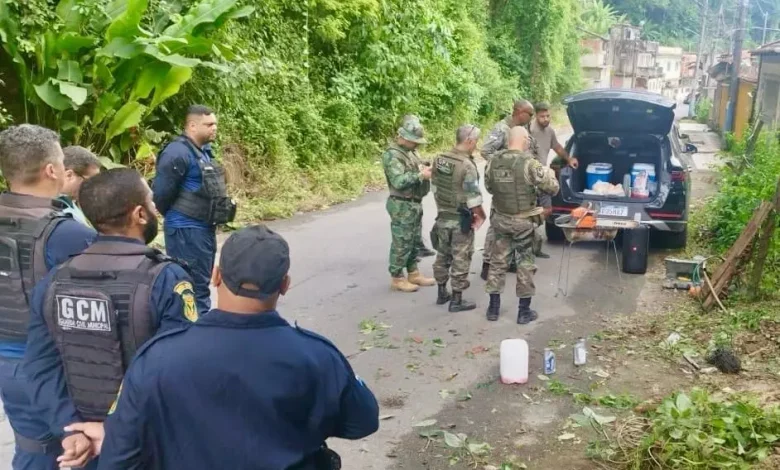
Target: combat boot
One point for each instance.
(494, 307)
(457, 304)
(400, 284)
(541, 254)
(485, 271)
(424, 252)
(524, 313)
(418, 279)
(444, 295)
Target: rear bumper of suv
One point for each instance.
(655, 219)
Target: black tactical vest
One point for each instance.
(210, 203)
(98, 312)
(26, 222)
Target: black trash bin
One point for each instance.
(636, 247)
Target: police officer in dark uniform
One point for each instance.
(190, 191)
(241, 388)
(91, 314)
(35, 236)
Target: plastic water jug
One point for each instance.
(514, 361)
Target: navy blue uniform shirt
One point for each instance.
(42, 361)
(178, 170)
(68, 238)
(235, 392)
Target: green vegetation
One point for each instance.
(697, 430)
(307, 92)
(703, 108)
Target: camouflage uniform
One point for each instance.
(515, 216)
(496, 142)
(455, 185)
(419, 245)
(407, 188)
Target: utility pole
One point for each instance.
(766, 21)
(736, 62)
(699, 58)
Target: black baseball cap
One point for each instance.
(255, 256)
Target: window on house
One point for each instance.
(770, 102)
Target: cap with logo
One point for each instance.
(412, 130)
(254, 262)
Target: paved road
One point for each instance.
(339, 260)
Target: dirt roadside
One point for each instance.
(529, 426)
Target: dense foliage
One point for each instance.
(745, 182)
(307, 92)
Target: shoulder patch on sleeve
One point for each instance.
(187, 293)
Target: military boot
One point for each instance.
(444, 295)
(524, 313)
(541, 254)
(424, 252)
(494, 307)
(418, 279)
(400, 284)
(485, 271)
(457, 304)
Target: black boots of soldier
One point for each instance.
(494, 307)
(444, 295)
(457, 304)
(486, 269)
(524, 313)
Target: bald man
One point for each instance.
(515, 177)
(522, 113)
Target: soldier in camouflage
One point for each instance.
(455, 185)
(422, 250)
(409, 181)
(515, 178)
(522, 113)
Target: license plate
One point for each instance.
(614, 211)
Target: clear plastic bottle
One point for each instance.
(580, 352)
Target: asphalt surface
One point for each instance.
(340, 279)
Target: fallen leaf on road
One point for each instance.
(416, 339)
(444, 393)
(464, 396)
(452, 376)
(527, 397)
(566, 436)
(384, 417)
(543, 378)
(479, 349)
(424, 424)
(439, 343)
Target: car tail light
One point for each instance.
(680, 176)
(664, 215)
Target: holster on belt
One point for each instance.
(466, 219)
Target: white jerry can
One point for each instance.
(514, 361)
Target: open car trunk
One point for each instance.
(622, 151)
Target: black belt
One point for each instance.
(50, 446)
(410, 199)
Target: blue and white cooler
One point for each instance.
(598, 172)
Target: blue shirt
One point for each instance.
(43, 364)
(235, 392)
(68, 238)
(74, 210)
(178, 170)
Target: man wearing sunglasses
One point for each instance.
(80, 165)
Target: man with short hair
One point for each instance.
(408, 181)
(190, 192)
(36, 237)
(546, 140)
(80, 165)
(522, 112)
(91, 314)
(241, 388)
(455, 185)
(514, 177)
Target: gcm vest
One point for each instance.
(26, 222)
(411, 164)
(449, 170)
(512, 192)
(98, 312)
(210, 203)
